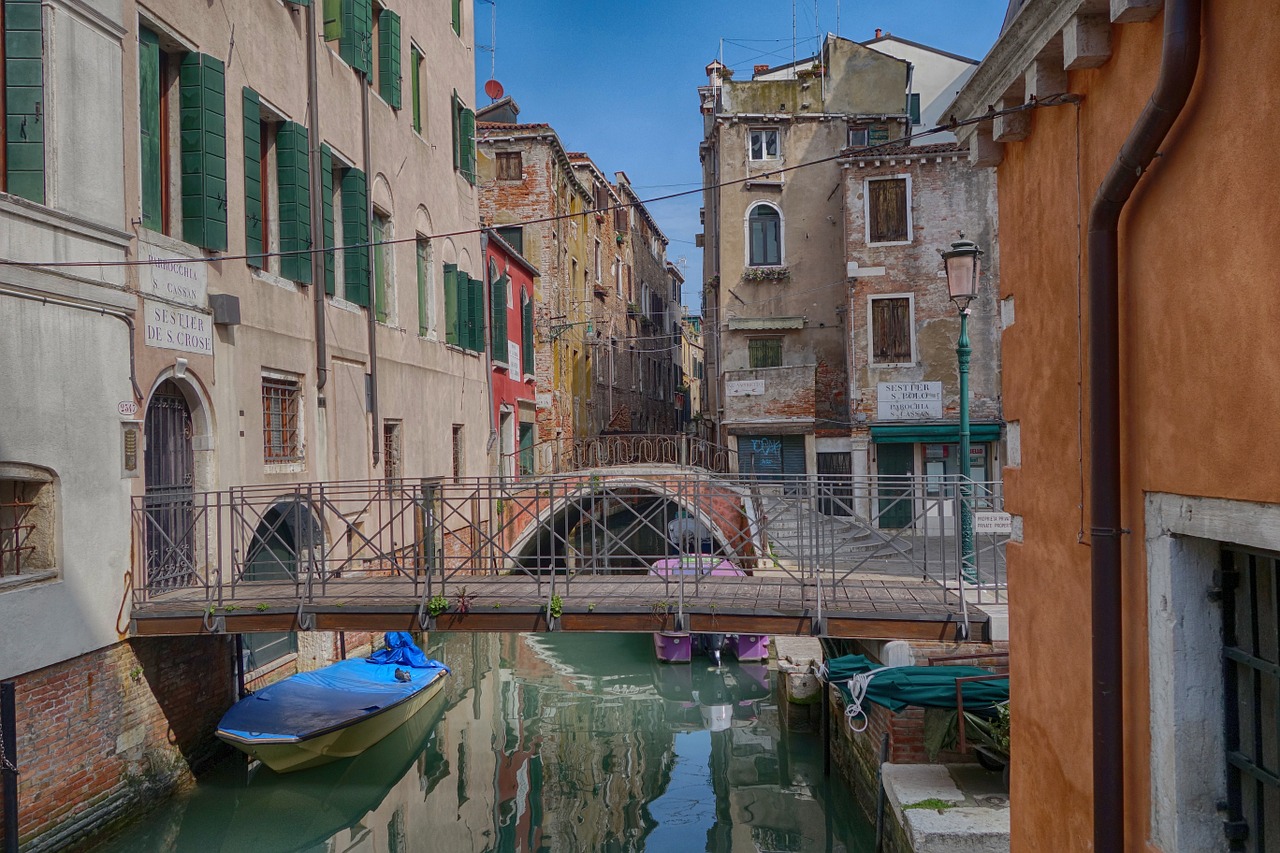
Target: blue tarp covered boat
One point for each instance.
(335, 712)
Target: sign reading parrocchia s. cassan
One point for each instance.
(906, 401)
(178, 284)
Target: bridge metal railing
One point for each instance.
(557, 456)
(416, 539)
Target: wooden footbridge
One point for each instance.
(622, 542)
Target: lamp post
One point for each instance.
(964, 264)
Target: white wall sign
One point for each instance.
(187, 284)
(993, 523)
(127, 408)
(513, 360)
(905, 401)
(744, 388)
(178, 328)
(544, 400)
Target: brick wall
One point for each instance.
(110, 732)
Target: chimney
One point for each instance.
(879, 32)
(759, 69)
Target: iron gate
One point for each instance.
(170, 468)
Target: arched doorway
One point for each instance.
(283, 541)
(170, 473)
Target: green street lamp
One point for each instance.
(964, 264)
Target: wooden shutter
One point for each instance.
(475, 314)
(457, 16)
(455, 113)
(380, 261)
(891, 331)
(526, 336)
(887, 210)
(451, 304)
(498, 305)
(355, 230)
(420, 253)
(913, 107)
(24, 99)
(326, 207)
(202, 104)
(253, 242)
(149, 129)
(415, 78)
(332, 20)
(467, 140)
(356, 37)
(293, 177)
(389, 57)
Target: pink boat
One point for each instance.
(678, 647)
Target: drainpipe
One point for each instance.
(124, 316)
(1179, 61)
(317, 205)
(487, 284)
(373, 279)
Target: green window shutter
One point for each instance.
(203, 122)
(475, 290)
(326, 206)
(498, 303)
(451, 304)
(355, 230)
(355, 40)
(24, 99)
(298, 2)
(467, 139)
(332, 20)
(415, 78)
(455, 112)
(389, 57)
(526, 336)
(293, 176)
(913, 107)
(380, 260)
(423, 325)
(457, 16)
(253, 245)
(149, 129)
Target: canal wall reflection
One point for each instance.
(543, 743)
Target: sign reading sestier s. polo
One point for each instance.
(905, 401)
(168, 325)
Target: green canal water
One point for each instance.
(561, 742)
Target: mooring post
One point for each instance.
(9, 764)
(826, 728)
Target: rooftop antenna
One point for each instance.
(492, 47)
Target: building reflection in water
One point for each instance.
(559, 742)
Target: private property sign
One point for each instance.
(906, 401)
(992, 523)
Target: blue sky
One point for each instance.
(619, 80)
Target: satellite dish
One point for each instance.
(493, 89)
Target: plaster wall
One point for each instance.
(935, 77)
(1194, 374)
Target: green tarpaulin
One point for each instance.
(923, 686)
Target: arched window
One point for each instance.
(764, 236)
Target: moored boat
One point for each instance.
(334, 712)
(678, 647)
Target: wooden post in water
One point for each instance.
(826, 728)
(884, 756)
(9, 764)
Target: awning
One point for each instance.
(944, 433)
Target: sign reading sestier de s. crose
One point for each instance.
(905, 401)
(178, 328)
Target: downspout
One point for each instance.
(486, 278)
(1178, 65)
(125, 316)
(373, 276)
(317, 206)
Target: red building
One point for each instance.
(511, 294)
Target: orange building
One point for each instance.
(1142, 389)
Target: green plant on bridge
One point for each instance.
(437, 604)
(263, 607)
(556, 607)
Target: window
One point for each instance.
(464, 140)
(22, 94)
(526, 449)
(424, 269)
(354, 194)
(457, 16)
(764, 237)
(764, 144)
(913, 107)
(277, 191)
(415, 87)
(764, 352)
(463, 309)
(513, 236)
(617, 275)
(387, 37)
(153, 120)
(888, 210)
(350, 24)
(27, 535)
(498, 287)
(391, 450)
(281, 431)
(892, 331)
(509, 166)
(857, 137)
(458, 466)
(526, 333)
(383, 269)
(597, 263)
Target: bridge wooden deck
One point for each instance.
(868, 607)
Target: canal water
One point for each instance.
(552, 742)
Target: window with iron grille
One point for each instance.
(458, 467)
(281, 433)
(510, 167)
(891, 330)
(391, 449)
(765, 352)
(26, 520)
(1251, 667)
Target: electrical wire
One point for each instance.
(1048, 101)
